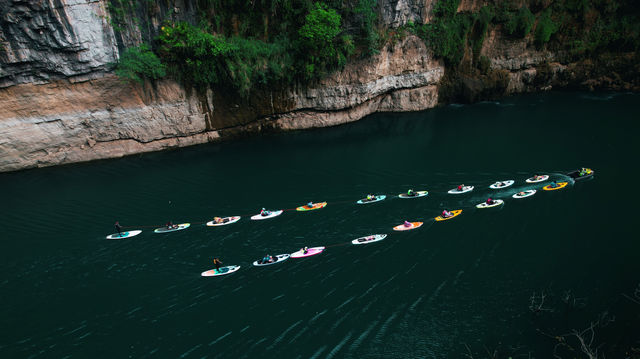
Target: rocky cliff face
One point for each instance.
(60, 103)
(44, 41)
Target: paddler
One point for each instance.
(521, 194)
(305, 250)
(264, 212)
(553, 184)
(118, 228)
(266, 259)
(218, 220)
(411, 193)
(370, 197)
(490, 201)
(217, 263)
(170, 225)
(310, 204)
(407, 224)
(460, 187)
(446, 214)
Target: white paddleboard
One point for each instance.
(222, 271)
(528, 193)
(258, 216)
(179, 227)
(310, 252)
(281, 258)
(369, 239)
(418, 194)
(496, 203)
(229, 220)
(540, 179)
(502, 184)
(377, 198)
(124, 235)
(465, 189)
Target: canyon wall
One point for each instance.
(61, 103)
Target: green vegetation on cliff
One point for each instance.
(246, 45)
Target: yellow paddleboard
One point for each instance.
(454, 212)
(559, 185)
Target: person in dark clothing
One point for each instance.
(118, 228)
(217, 262)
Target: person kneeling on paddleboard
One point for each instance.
(118, 228)
(553, 184)
(521, 194)
(446, 214)
(407, 224)
(411, 193)
(264, 212)
(305, 250)
(217, 263)
(490, 201)
(370, 197)
(460, 187)
(266, 259)
(170, 225)
(310, 204)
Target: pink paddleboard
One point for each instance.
(310, 252)
(402, 227)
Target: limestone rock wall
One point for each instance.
(47, 40)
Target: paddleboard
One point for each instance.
(369, 239)
(179, 227)
(465, 189)
(124, 235)
(281, 258)
(528, 193)
(496, 203)
(218, 272)
(454, 212)
(315, 206)
(258, 216)
(502, 184)
(559, 185)
(229, 220)
(540, 179)
(418, 194)
(377, 198)
(310, 252)
(402, 227)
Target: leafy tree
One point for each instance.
(520, 25)
(320, 44)
(138, 63)
(546, 27)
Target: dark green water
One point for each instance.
(68, 293)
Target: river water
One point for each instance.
(433, 292)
